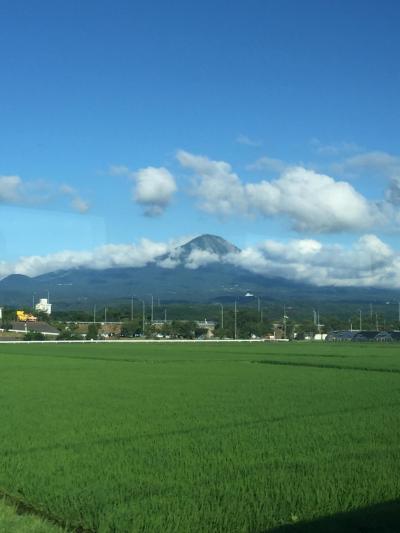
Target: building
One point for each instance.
(44, 306)
(363, 336)
(40, 327)
(320, 336)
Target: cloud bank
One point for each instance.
(369, 262)
(106, 256)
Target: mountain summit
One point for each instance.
(209, 243)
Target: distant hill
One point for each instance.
(213, 282)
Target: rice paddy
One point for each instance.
(198, 437)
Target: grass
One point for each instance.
(13, 522)
(199, 438)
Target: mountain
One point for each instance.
(209, 243)
(175, 277)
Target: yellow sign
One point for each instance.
(25, 317)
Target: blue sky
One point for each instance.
(106, 108)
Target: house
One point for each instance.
(44, 306)
(41, 327)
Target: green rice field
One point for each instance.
(202, 437)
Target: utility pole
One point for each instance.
(165, 315)
(284, 322)
(152, 309)
(132, 309)
(143, 316)
(105, 315)
(235, 322)
(94, 313)
(376, 322)
(222, 316)
(360, 320)
(259, 309)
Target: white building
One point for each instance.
(43, 306)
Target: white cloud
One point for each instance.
(80, 205)
(376, 165)
(198, 258)
(373, 165)
(169, 262)
(369, 262)
(375, 162)
(154, 189)
(106, 256)
(311, 201)
(393, 191)
(119, 170)
(76, 202)
(15, 190)
(268, 164)
(11, 189)
(219, 190)
(335, 148)
(244, 139)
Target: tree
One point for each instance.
(166, 329)
(183, 329)
(69, 335)
(92, 332)
(131, 328)
(34, 336)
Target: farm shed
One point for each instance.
(363, 336)
(338, 336)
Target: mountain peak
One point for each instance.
(210, 243)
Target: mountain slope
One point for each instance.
(216, 281)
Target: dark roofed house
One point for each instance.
(41, 327)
